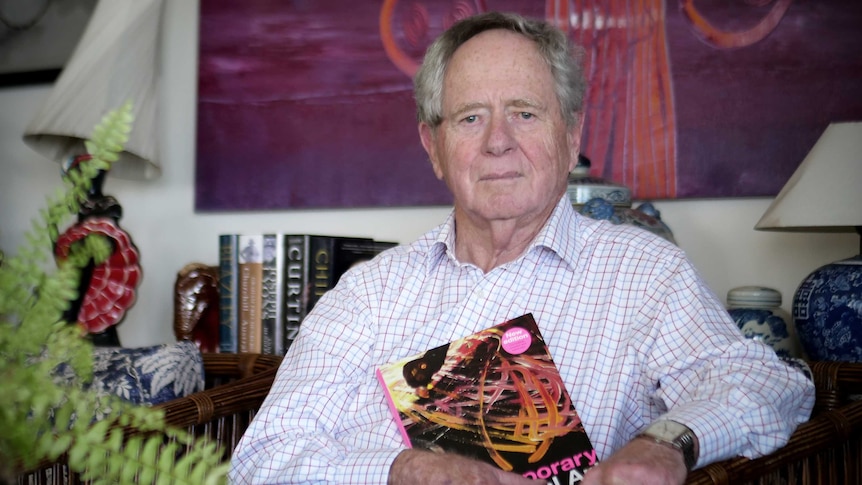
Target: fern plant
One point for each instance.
(42, 420)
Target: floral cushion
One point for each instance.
(146, 375)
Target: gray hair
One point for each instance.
(562, 58)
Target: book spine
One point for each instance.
(250, 275)
(393, 409)
(295, 285)
(322, 278)
(280, 278)
(227, 276)
(269, 287)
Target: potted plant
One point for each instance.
(104, 439)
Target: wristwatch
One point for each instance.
(673, 434)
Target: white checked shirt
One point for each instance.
(633, 328)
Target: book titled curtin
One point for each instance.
(496, 396)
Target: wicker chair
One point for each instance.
(827, 450)
(235, 384)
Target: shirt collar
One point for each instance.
(444, 243)
(557, 235)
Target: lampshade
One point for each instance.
(825, 192)
(115, 61)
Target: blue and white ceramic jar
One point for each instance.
(827, 311)
(758, 314)
(600, 199)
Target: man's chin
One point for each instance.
(502, 209)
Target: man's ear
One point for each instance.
(428, 137)
(574, 139)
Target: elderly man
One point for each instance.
(662, 379)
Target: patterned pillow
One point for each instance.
(146, 375)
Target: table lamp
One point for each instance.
(825, 195)
(115, 61)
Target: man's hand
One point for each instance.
(426, 467)
(640, 462)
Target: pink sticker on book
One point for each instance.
(516, 340)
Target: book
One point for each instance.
(332, 256)
(227, 285)
(294, 288)
(350, 252)
(312, 266)
(271, 293)
(329, 259)
(249, 302)
(495, 396)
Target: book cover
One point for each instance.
(271, 327)
(496, 396)
(250, 269)
(227, 281)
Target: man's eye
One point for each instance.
(526, 116)
(470, 119)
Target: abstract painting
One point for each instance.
(308, 104)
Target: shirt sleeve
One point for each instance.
(324, 420)
(735, 393)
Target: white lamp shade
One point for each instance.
(115, 61)
(825, 192)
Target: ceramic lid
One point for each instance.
(583, 187)
(745, 296)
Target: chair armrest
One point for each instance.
(224, 368)
(826, 449)
(815, 450)
(205, 406)
(223, 412)
(837, 383)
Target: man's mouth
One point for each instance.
(500, 176)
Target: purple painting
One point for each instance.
(308, 104)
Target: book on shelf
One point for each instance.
(351, 252)
(228, 286)
(495, 396)
(272, 341)
(249, 304)
(312, 266)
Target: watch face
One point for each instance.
(676, 435)
(666, 430)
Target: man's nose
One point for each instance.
(499, 138)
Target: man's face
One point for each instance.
(503, 148)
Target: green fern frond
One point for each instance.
(42, 420)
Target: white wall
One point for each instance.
(717, 234)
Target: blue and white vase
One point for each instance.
(600, 199)
(758, 314)
(827, 311)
